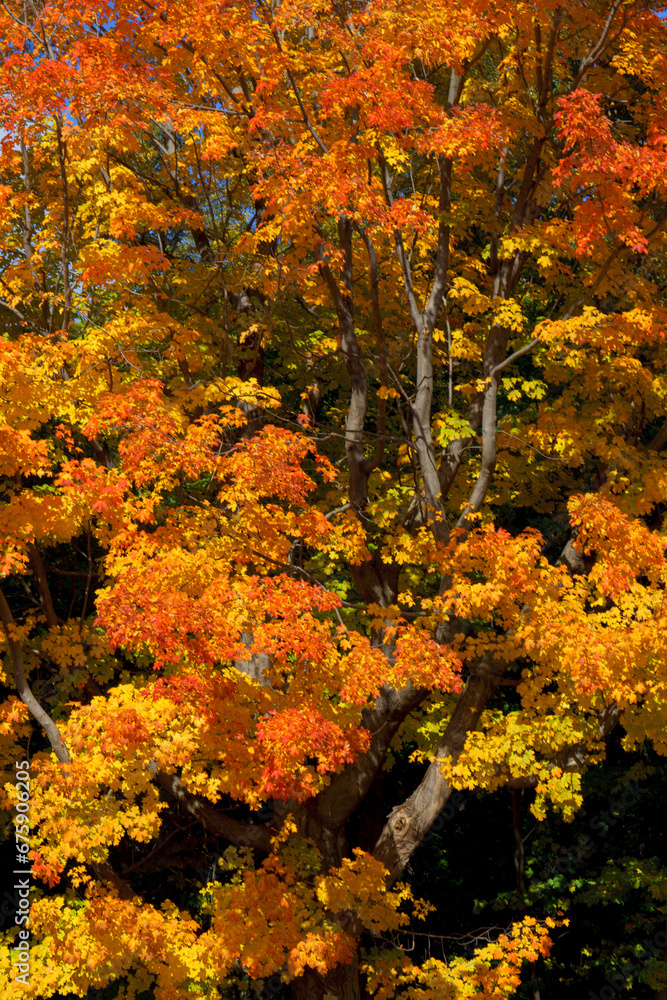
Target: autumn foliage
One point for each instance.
(334, 400)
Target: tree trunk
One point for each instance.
(340, 983)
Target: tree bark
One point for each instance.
(255, 835)
(349, 788)
(340, 983)
(23, 688)
(409, 822)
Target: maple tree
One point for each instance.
(334, 399)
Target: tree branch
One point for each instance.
(658, 442)
(573, 758)
(23, 688)
(349, 347)
(489, 437)
(349, 788)
(37, 567)
(382, 351)
(598, 49)
(409, 822)
(257, 836)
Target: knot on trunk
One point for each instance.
(400, 821)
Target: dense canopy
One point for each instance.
(334, 400)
